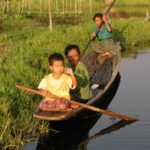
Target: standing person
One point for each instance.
(57, 83)
(82, 92)
(106, 46)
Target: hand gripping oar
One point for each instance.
(80, 104)
(91, 39)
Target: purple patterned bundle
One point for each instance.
(47, 105)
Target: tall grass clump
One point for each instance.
(132, 33)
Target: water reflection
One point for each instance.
(136, 54)
(108, 130)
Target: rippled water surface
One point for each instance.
(132, 99)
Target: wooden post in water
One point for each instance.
(40, 8)
(7, 6)
(63, 3)
(90, 2)
(75, 5)
(19, 7)
(70, 5)
(29, 6)
(57, 5)
(3, 7)
(45, 4)
(1, 3)
(80, 10)
(66, 4)
(50, 15)
(22, 6)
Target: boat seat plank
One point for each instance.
(103, 73)
(106, 74)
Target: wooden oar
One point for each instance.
(91, 39)
(80, 104)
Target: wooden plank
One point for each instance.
(106, 73)
(103, 73)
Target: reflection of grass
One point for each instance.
(24, 62)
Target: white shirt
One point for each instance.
(55, 83)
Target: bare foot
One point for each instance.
(63, 106)
(109, 56)
(74, 106)
(100, 56)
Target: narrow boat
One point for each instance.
(79, 129)
(102, 75)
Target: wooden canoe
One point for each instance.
(102, 73)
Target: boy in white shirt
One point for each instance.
(57, 83)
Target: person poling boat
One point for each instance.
(98, 27)
(106, 46)
(57, 83)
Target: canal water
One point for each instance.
(131, 99)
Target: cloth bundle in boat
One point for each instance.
(106, 46)
(47, 105)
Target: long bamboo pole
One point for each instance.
(80, 104)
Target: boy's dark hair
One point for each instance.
(55, 56)
(70, 47)
(97, 15)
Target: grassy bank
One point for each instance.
(24, 62)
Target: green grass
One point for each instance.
(24, 49)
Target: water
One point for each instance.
(131, 99)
